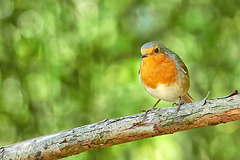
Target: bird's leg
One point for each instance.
(151, 109)
(174, 104)
(181, 102)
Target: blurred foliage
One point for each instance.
(69, 63)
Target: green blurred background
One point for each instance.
(68, 63)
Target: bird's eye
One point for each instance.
(156, 50)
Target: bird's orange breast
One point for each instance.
(158, 69)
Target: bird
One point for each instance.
(164, 75)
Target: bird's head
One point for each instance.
(152, 48)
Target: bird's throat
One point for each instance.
(158, 69)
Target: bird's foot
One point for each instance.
(147, 110)
(181, 102)
(151, 109)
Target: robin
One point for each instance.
(163, 74)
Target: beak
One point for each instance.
(144, 55)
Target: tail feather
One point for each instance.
(187, 98)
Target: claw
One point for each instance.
(146, 111)
(151, 109)
(181, 102)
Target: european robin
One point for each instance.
(163, 74)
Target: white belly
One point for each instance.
(167, 93)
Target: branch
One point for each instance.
(125, 129)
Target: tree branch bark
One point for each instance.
(125, 129)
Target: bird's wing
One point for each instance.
(180, 65)
(184, 68)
